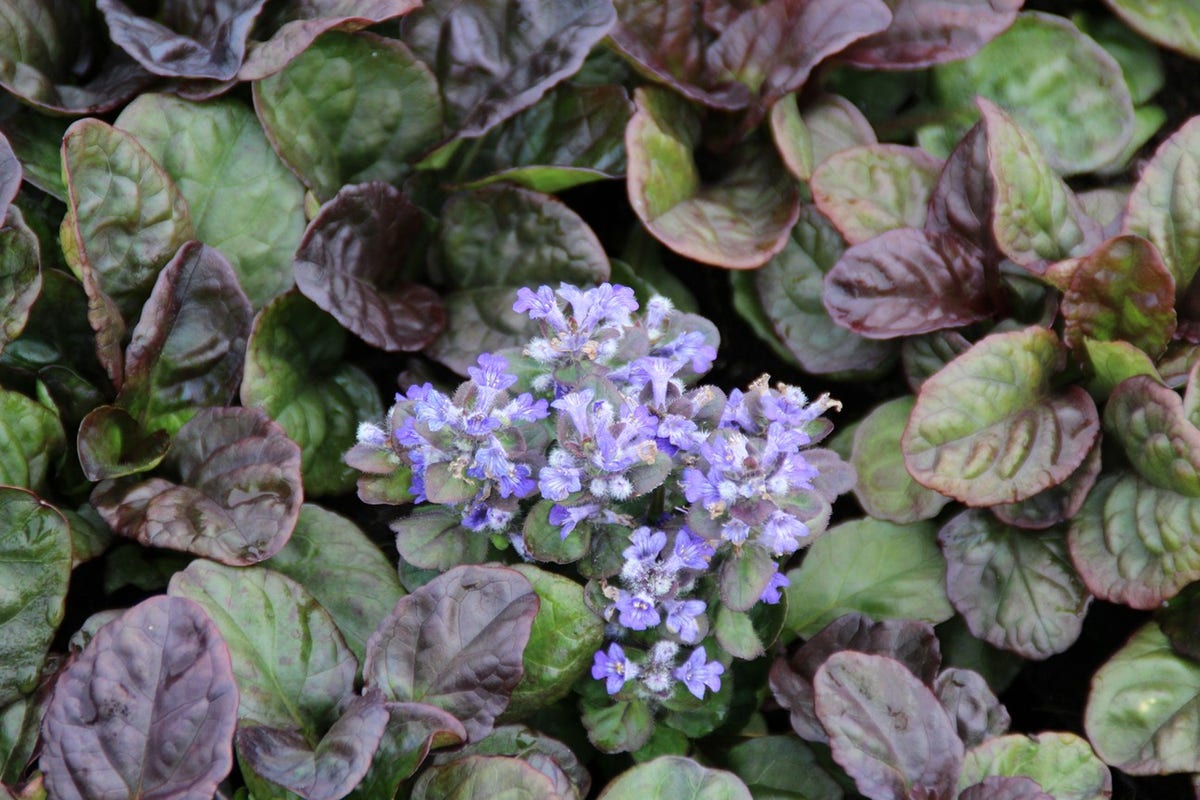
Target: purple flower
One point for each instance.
(560, 477)
(691, 552)
(782, 534)
(771, 595)
(492, 373)
(613, 668)
(567, 517)
(637, 611)
(644, 545)
(695, 674)
(689, 348)
(681, 618)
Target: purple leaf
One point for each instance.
(196, 38)
(962, 199)
(886, 728)
(10, 175)
(348, 264)
(147, 710)
(238, 498)
(112, 444)
(905, 282)
(456, 643)
(928, 32)
(1005, 787)
(1056, 504)
(972, 705)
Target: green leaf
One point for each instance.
(31, 437)
(243, 200)
(1062, 764)
(1171, 25)
(678, 778)
(991, 427)
(616, 726)
(1017, 590)
(433, 537)
(35, 567)
(1141, 62)
(738, 222)
(296, 372)
(1113, 362)
(792, 138)
(781, 768)
(545, 542)
(1161, 443)
(880, 569)
(351, 108)
(748, 634)
(744, 575)
(1056, 504)
(20, 275)
(884, 488)
(112, 444)
(291, 663)
(484, 778)
(343, 569)
(1075, 104)
(870, 189)
(412, 730)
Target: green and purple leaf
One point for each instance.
(1062, 764)
(997, 787)
(112, 444)
(20, 273)
(1160, 441)
(1176, 27)
(31, 437)
(928, 32)
(413, 729)
(675, 777)
(970, 702)
(1056, 504)
(871, 189)
(479, 778)
(884, 489)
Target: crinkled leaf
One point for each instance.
(675, 777)
(870, 189)
(835, 124)
(296, 372)
(1162, 444)
(492, 61)
(1075, 105)
(991, 427)
(907, 281)
(617, 726)
(548, 756)
(999, 787)
(1176, 26)
(193, 40)
(351, 108)
(348, 264)
(1178, 619)
(924, 33)
(238, 497)
(483, 778)
(327, 771)
(343, 569)
(147, 709)
(112, 444)
(970, 702)
(20, 270)
(412, 730)
(1056, 504)
(478, 321)
(433, 537)
(779, 768)
(1016, 590)
(908, 642)
(884, 489)
(35, 566)
(1062, 764)
(789, 289)
(291, 663)
(873, 567)
(739, 222)
(962, 198)
(1113, 362)
(886, 728)
(456, 643)
(924, 356)
(31, 437)
(242, 198)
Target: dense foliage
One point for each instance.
(599, 398)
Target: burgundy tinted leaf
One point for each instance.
(495, 59)
(325, 772)
(112, 444)
(20, 269)
(962, 199)
(187, 349)
(348, 263)
(972, 705)
(1162, 444)
(147, 710)
(1120, 290)
(905, 282)
(456, 643)
(909, 642)
(886, 728)
(239, 496)
(196, 38)
(478, 777)
(412, 730)
(549, 756)
(1056, 504)
(875, 188)
(1005, 787)
(10, 175)
(928, 32)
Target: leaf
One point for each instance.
(924, 33)
(200, 39)
(905, 282)
(493, 61)
(1056, 504)
(147, 709)
(870, 189)
(617, 726)
(343, 569)
(872, 567)
(884, 488)
(331, 769)
(112, 444)
(291, 663)
(738, 222)
(412, 730)
(346, 264)
(675, 777)
(1174, 27)
(20, 272)
(31, 437)
(744, 575)
(886, 728)
(549, 756)
(1075, 105)
(963, 197)
(243, 200)
(991, 428)
(456, 643)
(1062, 764)
(296, 372)
(976, 711)
(1150, 422)
(433, 537)
(781, 767)
(238, 497)
(349, 109)
(35, 567)
(1004, 788)
(1113, 362)
(479, 778)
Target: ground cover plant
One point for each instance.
(594, 398)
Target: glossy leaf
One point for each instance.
(291, 663)
(962, 199)
(479, 778)
(738, 222)
(147, 709)
(549, 756)
(1016, 590)
(1113, 362)
(1150, 422)
(1174, 27)
(924, 33)
(871, 189)
(31, 437)
(675, 777)
(971, 704)
(1062, 764)
(884, 489)
(112, 444)
(991, 428)
(346, 264)
(1056, 504)
(20, 273)
(492, 61)
(243, 200)
(456, 643)
(886, 728)
(412, 730)
(872, 567)
(779, 767)
(238, 497)
(349, 109)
